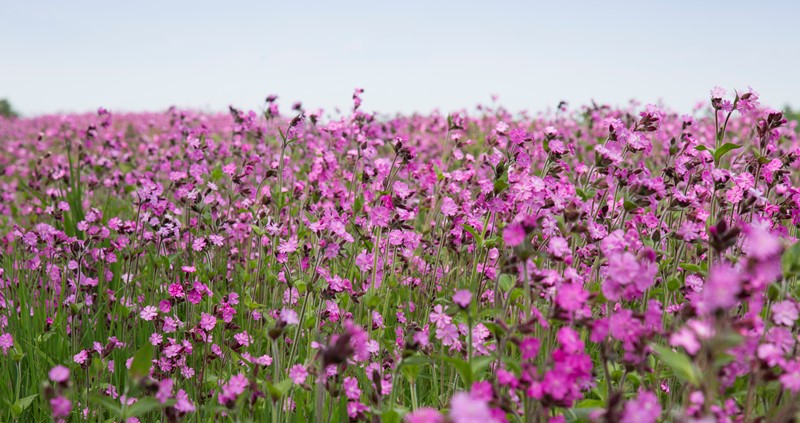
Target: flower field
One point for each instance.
(593, 263)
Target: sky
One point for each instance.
(409, 56)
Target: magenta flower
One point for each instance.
(529, 348)
(288, 246)
(466, 409)
(148, 313)
(558, 247)
(6, 342)
(790, 379)
(424, 415)
(298, 374)
(571, 297)
(645, 408)
(449, 207)
(462, 297)
(514, 234)
(207, 322)
(784, 313)
(81, 357)
(722, 287)
(61, 406)
(59, 374)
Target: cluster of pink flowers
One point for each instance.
(592, 264)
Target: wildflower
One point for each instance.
(6, 342)
(722, 287)
(288, 246)
(449, 207)
(790, 379)
(463, 297)
(61, 406)
(351, 389)
(642, 409)
(207, 322)
(298, 374)
(424, 415)
(529, 348)
(148, 313)
(59, 374)
(514, 234)
(571, 297)
(81, 357)
(465, 409)
(784, 313)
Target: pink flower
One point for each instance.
(466, 409)
(81, 357)
(462, 297)
(438, 317)
(60, 406)
(449, 207)
(243, 339)
(183, 404)
(571, 297)
(288, 246)
(59, 374)
(514, 234)
(529, 348)
(424, 415)
(6, 342)
(447, 334)
(645, 408)
(558, 247)
(289, 316)
(351, 389)
(784, 313)
(148, 313)
(207, 322)
(232, 389)
(164, 390)
(722, 288)
(685, 338)
(790, 379)
(380, 216)
(298, 374)
(570, 340)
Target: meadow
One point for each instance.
(591, 263)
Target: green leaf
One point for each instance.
(500, 185)
(278, 390)
(629, 206)
(506, 282)
(217, 174)
(474, 232)
(392, 416)
(142, 361)
(27, 401)
(680, 363)
(143, 406)
(673, 284)
(693, 268)
(587, 194)
(790, 262)
(109, 404)
(480, 364)
(439, 174)
(723, 150)
(463, 367)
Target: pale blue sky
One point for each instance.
(408, 55)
